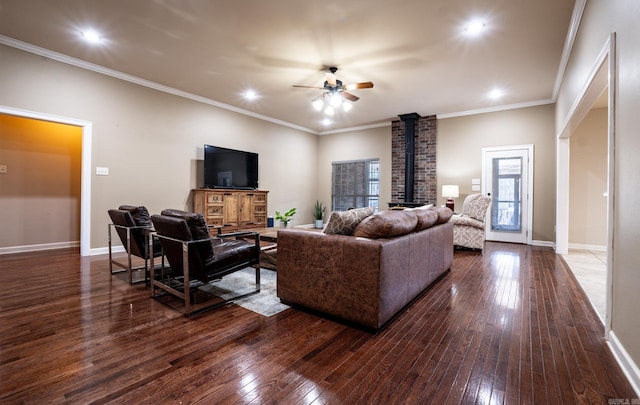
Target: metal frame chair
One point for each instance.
(198, 261)
(136, 240)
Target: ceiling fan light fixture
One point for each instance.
(335, 99)
(317, 103)
(329, 110)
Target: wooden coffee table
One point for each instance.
(269, 244)
(271, 234)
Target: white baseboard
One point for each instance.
(625, 361)
(35, 248)
(545, 243)
(595, 248)
(105, 250)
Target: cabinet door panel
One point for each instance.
(231, 209)
(246, 209)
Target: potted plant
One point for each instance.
(318, 213)
(285, 217)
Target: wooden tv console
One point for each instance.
(232, 210)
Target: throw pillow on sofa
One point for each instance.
(345, 222)
(387, 224)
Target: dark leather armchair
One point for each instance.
(133, 226)
(196, 258)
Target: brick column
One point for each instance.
(424, 186)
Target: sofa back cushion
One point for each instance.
(426, 218)
(345, 222)
(387, 224)
(444, 214)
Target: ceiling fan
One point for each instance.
(335, 90)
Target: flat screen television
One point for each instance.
(230, 168)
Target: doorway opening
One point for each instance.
(85, 176)
(599, 92)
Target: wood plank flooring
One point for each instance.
(510, 326)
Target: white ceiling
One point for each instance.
(416, 52)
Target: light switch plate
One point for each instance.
(3, 169)
(102, 171)
(475, 181)
(475, 187)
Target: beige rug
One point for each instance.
(266, 302)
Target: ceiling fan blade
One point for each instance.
(350, 96)
(355, 86)
(331, 79)
(308, 87)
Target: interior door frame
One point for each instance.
(85, 177)
(603, 76)
(529, 191)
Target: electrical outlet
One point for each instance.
(3, 169)
(102, 171)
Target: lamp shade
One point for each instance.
(450, 191)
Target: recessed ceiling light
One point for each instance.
(250, 95)
(326, 122)
(495, 94)
(91, 36)
(475, 27)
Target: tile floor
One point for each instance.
(590, 269)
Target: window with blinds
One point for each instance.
(355, 184)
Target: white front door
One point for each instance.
(508, 180)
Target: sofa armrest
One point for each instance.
(335, 274)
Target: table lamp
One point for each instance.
(450, 191)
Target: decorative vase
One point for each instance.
(284, 224)
(318, 223)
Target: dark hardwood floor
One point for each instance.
(511, 326)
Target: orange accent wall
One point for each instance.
(40, 193)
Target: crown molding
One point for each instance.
(497, 108)
(141, 82)
(576, 18)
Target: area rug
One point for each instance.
(266, 302)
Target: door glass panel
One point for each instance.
(506, 203)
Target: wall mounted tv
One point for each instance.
(229, 168)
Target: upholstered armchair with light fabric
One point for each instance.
(468, 226)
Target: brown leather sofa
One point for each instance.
(364, 280)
